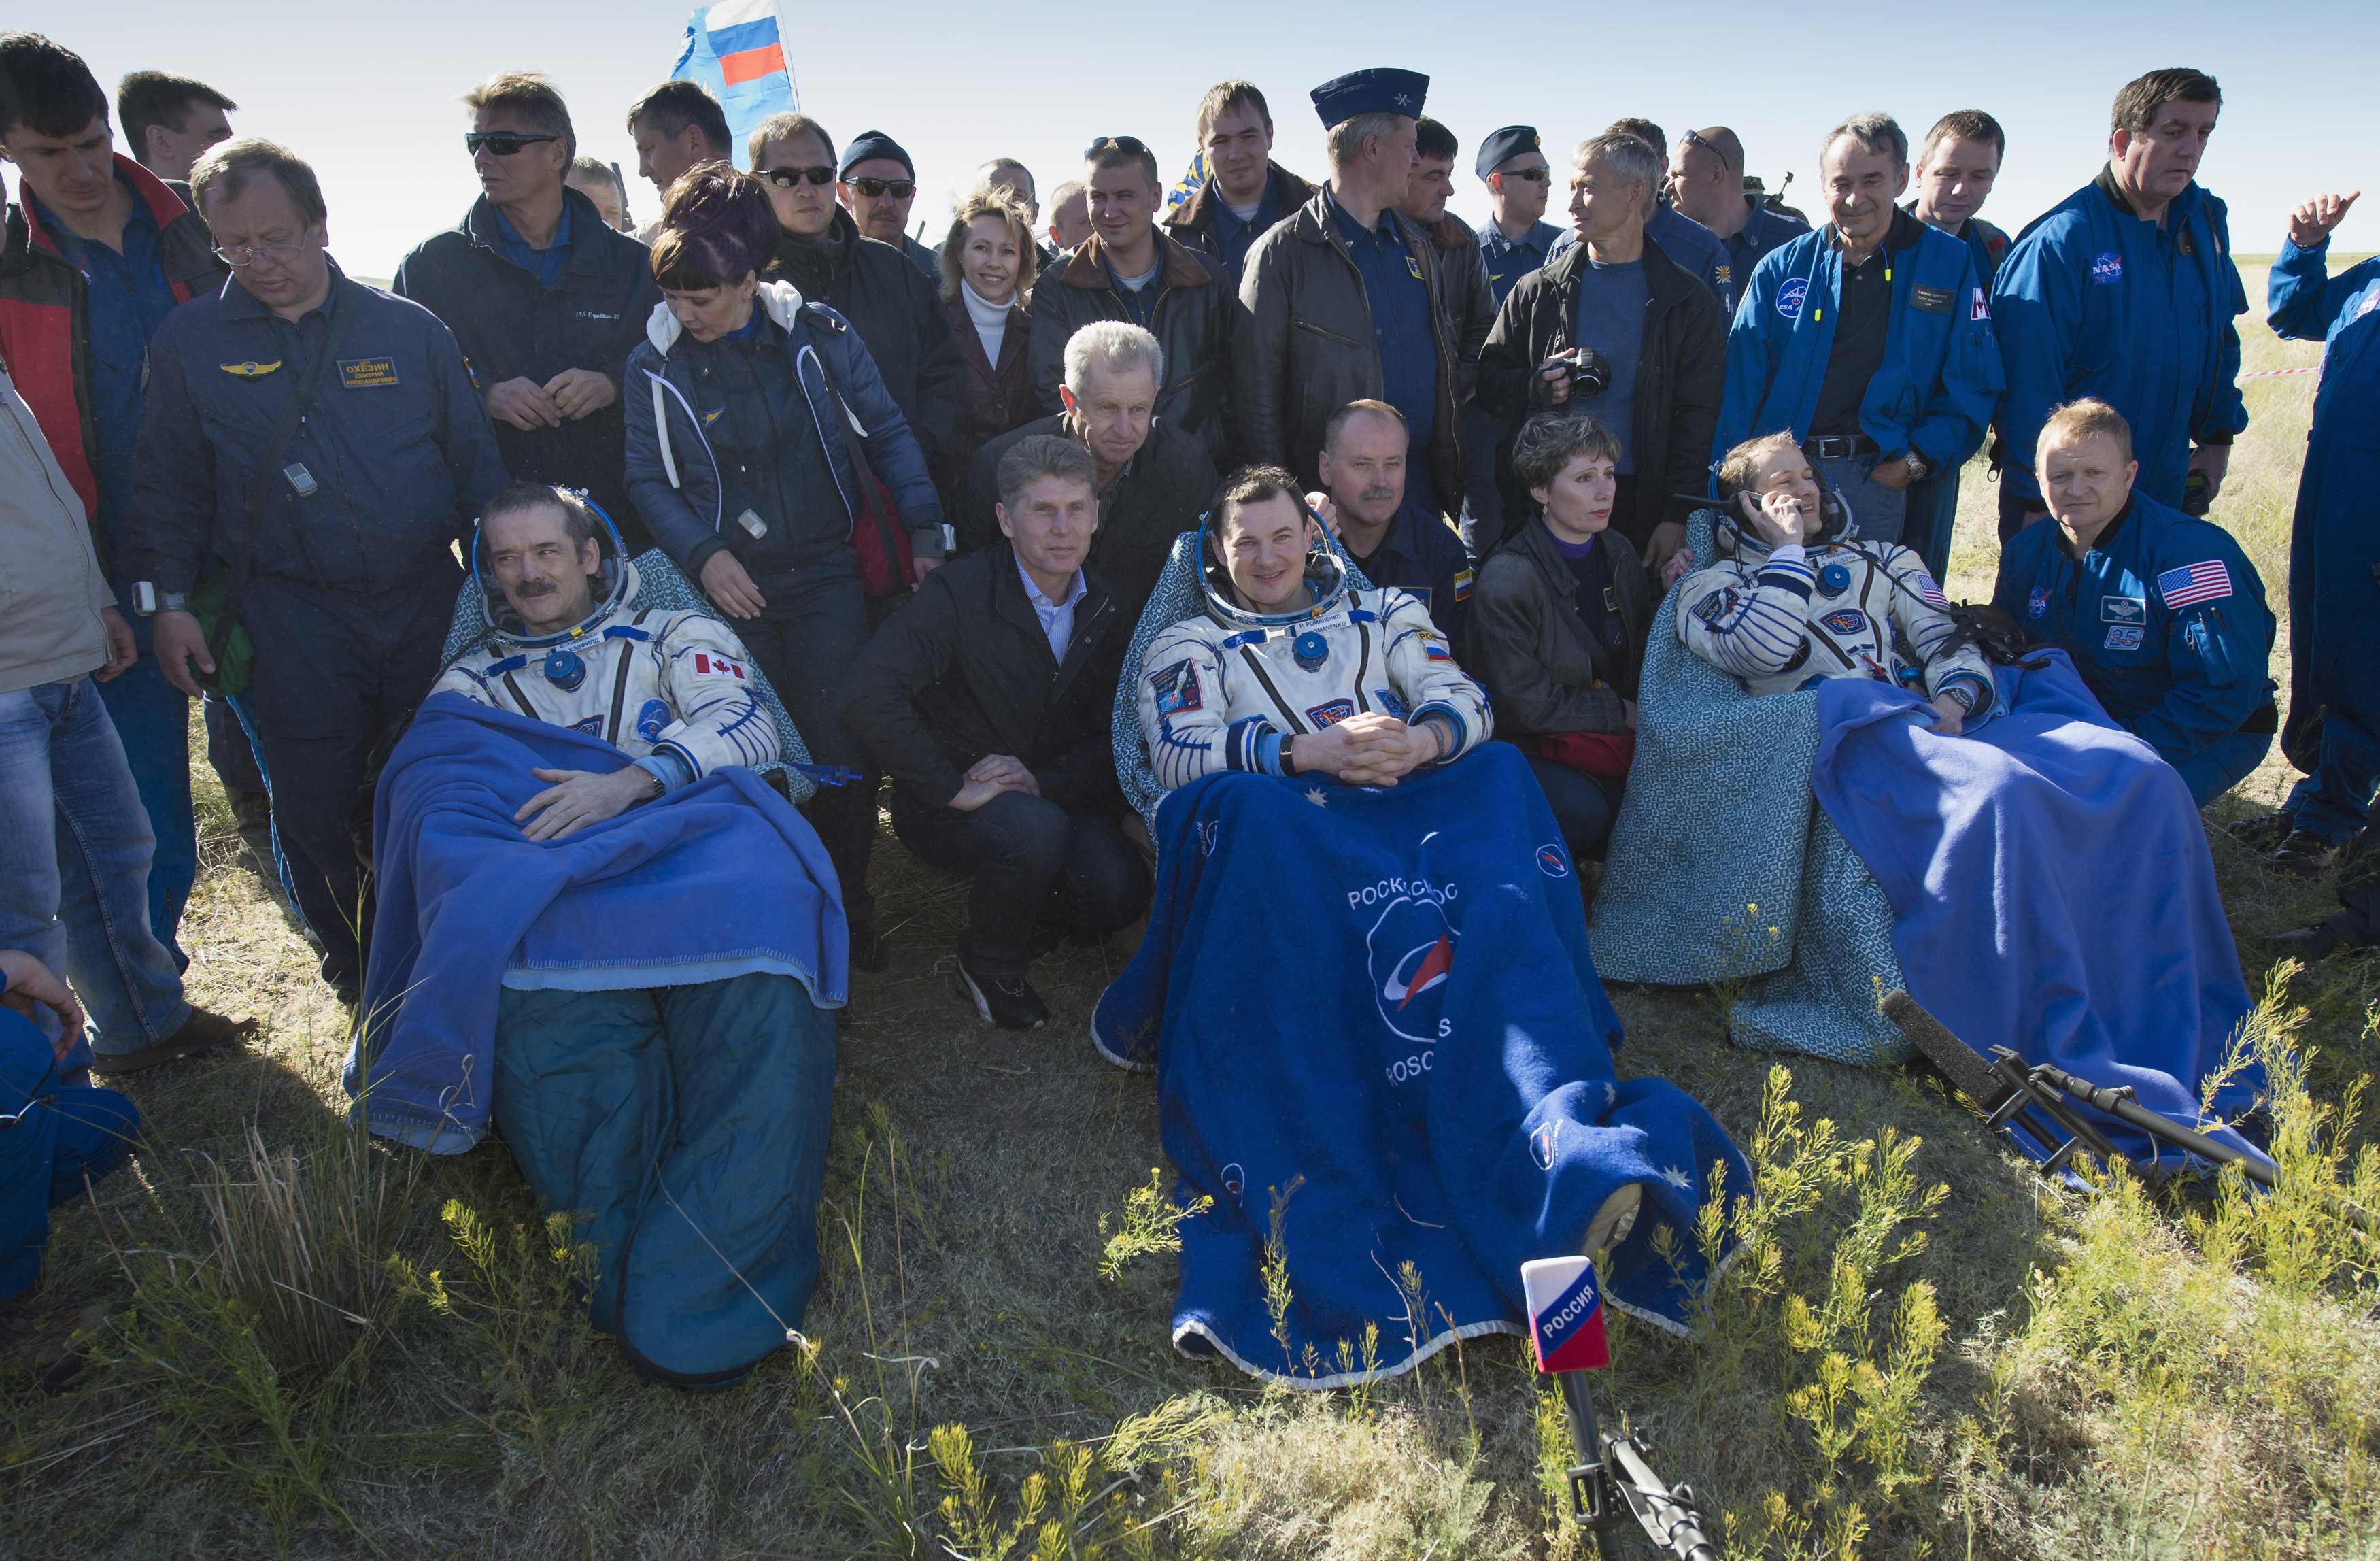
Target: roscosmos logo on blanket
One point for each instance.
(1411, 952)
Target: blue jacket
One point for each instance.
(2334, 546)
(1941, 369)
(2179, 677)
(1764, 229)
(510, 325)
(2093, 302)
(396, 441)
(674, 478)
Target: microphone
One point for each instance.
(1566, 1333)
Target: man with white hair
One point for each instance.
(1870, 340)
(1154, 480)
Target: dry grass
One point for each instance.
(1998, 1369)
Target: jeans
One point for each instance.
(1030, 859)
(1581, 804)
(687, 1127)
(337, 678)
(1877, 512)
(2224, 764)
(152, 720)
(74, 866)
(1933, 515)
(67, 1134)
(806, 640)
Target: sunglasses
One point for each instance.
(786, 178)
(1534, 175)
(1692, 139)
(900, 190)
(1130, 146)
(503, 143)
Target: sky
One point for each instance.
(368, 93)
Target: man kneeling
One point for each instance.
(661, 1068)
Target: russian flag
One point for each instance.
(734, 51)
(1565, 1315)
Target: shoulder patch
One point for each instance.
(1177, 688)
(2209, 580)
(1792, 296)
(708, 664)
(1717, 605)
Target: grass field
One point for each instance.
(1928, 1352)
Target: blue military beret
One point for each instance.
(1502, 146)
(1381, 90)
(871, 144)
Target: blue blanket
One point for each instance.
(1375, 1011)
(2050, 885)
(664, 895)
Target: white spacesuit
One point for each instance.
(1784, 619)
(672, 691)
(1223, 689)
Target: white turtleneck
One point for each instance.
(991, 320)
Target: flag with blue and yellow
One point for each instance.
(734, 51)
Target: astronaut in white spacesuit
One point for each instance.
(672, 691)
(1790, 603)
(1290, 670)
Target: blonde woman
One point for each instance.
(988, 264)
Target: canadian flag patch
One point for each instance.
(1981, 309)
(708, 665)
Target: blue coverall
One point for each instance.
(2190, 679)
(61, 1134)
(2335, 542)
(2091, 301)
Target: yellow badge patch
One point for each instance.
(367, 373)
(1415, 266)
(249, 370)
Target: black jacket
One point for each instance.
(1470, 298)
(1189, 320)
(511, 327)
(897, 309)
(1681, 372)
(1530, 652)
(965, 671)
(1154, 499)
(1302, 347)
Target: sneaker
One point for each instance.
(2263, 833)
(202, 1033)
(2303, 854)
(867, 950)
(1007, 1001)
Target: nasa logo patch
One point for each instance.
(2107, 269)
(1792, 296)
(2038, 602)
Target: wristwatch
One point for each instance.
(1918, 470)
(147, 599)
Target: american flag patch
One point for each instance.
(2207, 581)
(1930, 593)
(708, 665)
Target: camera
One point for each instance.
(1590, 372)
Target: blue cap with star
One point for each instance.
(1381, 90)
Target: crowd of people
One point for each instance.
(915, 500)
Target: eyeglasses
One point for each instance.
(900, 190)
(1534, 175)
(1130, 146)
(503, 143)
(822, 173)
(239, 257)
(1692, 139)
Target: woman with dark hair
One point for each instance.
(742, 403)
(987, 266)
(1559, 620)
